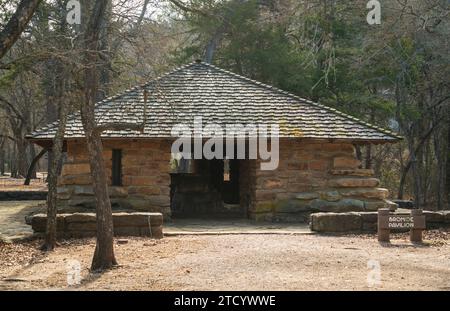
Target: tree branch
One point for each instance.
(184, 7)
(9, 106)
(121, 126)
(16, 24)
(8, 137)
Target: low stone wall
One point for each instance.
(367, 221)
(84, 224)
(22, 195)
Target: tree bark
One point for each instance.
(52, 179)
(33, 165)
(16, 24)
(30, 158)
(2, 156)
(412, 157)
(104, 257)
(21, 156)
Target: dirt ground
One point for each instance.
(16, 184)
(12, 218)
(237, 262)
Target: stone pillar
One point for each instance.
(415, 234)
(383, 223)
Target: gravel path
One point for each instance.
(12, 218)
(238, 262)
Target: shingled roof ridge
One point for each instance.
(164, 75)
(310, 102)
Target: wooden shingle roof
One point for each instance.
(221, 97)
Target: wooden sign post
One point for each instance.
(415, 222)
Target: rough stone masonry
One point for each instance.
(316, 177)
(311, 177)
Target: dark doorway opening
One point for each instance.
(206, 189)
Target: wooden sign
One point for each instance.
(415, 222)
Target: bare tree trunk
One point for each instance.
(104, 257)
(105, 72)
(13, 161)
(32, 155)
(32, 166)
(51, 110)
(52, 179)
(2, 157)
(413, 156)
(447, 165)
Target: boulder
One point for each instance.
(335, 222)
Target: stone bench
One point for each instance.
(79, 225)
(367, 221)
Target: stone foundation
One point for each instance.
(84, 224)
(145, 180)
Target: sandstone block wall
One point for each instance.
(311, 177)
(315, 177)
(145, 176)
(84, 224)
